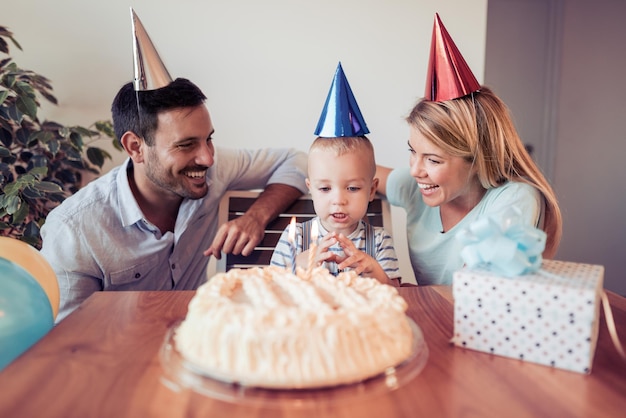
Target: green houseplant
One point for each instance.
(41, 162)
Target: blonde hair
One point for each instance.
(479, 128)
(344, 145)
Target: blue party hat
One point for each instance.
(341, 116)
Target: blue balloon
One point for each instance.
(25, 311)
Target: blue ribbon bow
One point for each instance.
(506, 246)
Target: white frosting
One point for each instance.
(266, 327)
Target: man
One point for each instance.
(143, 225)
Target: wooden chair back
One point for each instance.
(235, 203)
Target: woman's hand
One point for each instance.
(382, 173)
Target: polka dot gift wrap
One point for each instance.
(549, 317)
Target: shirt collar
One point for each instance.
(129, 208)
(130, 211)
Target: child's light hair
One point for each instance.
(348, 144)
(479, 128)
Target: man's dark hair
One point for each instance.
(137, 111)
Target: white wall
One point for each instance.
(560, 64)
(590, 167)
(522, 66)
(265, 66)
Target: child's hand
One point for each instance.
(321, 252)
(356, 259)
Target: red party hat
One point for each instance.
(449, 77)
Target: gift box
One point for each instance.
(549, 317)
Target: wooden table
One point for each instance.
(102, 361)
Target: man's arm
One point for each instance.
(242, 234)
(61, 248)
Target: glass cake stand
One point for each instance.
(180, 375)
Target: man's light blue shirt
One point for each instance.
(99, 239)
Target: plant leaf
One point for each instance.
(22, 137)
(56, 197)
(66, 176)
(96, 156)
(12, 204)
(75, 163)
(106, 127)
(3, 95)
(48, 187)
(53, 146)
(39, 171)
(77, 140)
(4, 47)
(32, 193)
(10, 190)
(83, 131)
(31, 230)
(73, 155)
(40, 161)
(9, 79)
(42, 136)
(65, 132)
(21, 213)
(15, 114)
(27, 106)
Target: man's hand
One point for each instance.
(238, 236)
(242, 234)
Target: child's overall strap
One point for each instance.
(306, 235)
(370, 241)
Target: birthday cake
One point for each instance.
(266, 327)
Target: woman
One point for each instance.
(466, 161)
